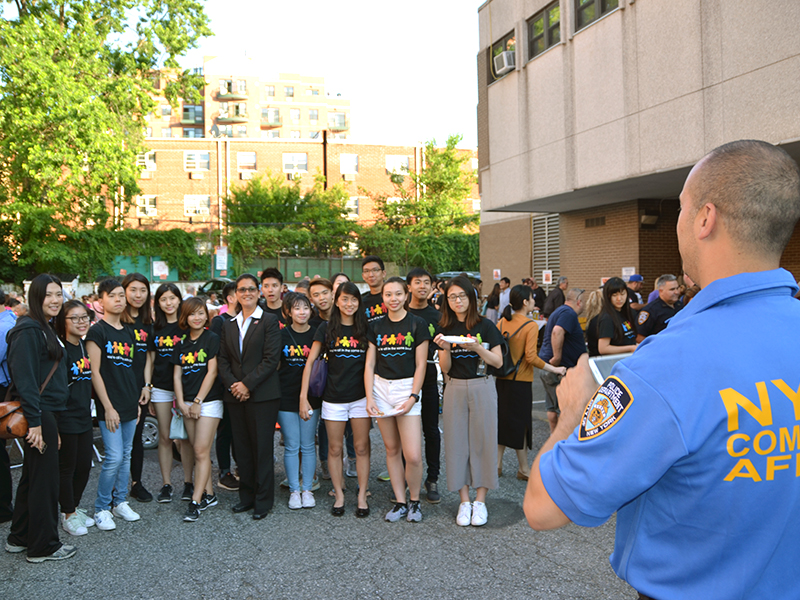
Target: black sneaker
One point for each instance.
(229, 482)
(139, 493)
(188, 491)
(208, 501)
(432, 492)
(192, 512)
(165, 495)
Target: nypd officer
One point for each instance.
(654, 317)
(690, 441)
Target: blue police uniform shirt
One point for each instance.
(695, 442)
(574, 344)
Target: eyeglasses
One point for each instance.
(247, 290)
(83, 319)
(371, 271)
(455, 297)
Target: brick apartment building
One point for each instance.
(592, 112)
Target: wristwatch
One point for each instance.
(198, 400)
(149, 386)
(414, 396)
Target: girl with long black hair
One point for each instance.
(137, 315)
(75, 423)
(167, 334)
(344, 338)
(616, 327)
(36, 357)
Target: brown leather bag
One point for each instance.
(13, 423)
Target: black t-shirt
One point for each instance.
(77, 417)
(431, 316)
(142, 334)
(464, 361)
(164, 343)
(606, 329)
(294, 354)
(193, 357)
(346, 359)
(396, 342)
(591, 335)
(278, 312)
(116, 368)
(218, 321)
(374, 306)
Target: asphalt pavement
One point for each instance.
(311, 554)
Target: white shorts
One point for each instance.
(211, 408)
(389, 394)
(332, 411)
(159, 395)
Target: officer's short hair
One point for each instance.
(664, 280)
(755, 186)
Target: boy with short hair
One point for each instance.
(110, 345)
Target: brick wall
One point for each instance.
(588, 254)
(658, 248)
(791, 255)
(506, 246)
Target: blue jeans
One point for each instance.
(298, 436)
(115, 473)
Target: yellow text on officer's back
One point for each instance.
(767, 442)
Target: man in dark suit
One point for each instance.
(248, 362)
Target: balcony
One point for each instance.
(231, 95)
(228, 118)
(339, 125)
(191, 121)
(270, 122)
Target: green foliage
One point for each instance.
(433, 201)
(269, 216)
(73, 96)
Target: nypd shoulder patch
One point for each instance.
(643, 316)
(606, 407)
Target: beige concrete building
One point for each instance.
(592, 112)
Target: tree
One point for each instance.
(434, 200)
(76, 79)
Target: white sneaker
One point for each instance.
(104, 520)
(87, 520)
(73, 525)
(124, 511)
(295, 501)
(464, 514)
(308, 499)
(479, 514)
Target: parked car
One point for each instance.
(213, 285)
(150, 432)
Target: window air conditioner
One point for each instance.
(349, 176)
(146, 175)
(195, 175)
(246, 175)
(151, 211)
(503, 63)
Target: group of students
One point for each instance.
(255, 372)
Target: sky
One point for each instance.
(408, 68)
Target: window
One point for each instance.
(507, 44)
(192, 114)
(295, 162)
(246, 161)
(192, 132)
(223, 110)
(146, 161)
(294, 114)
(148, 132)
(271, 115)
(313, 115)
(351, 208)
(241, 86)
(313, 135)
(288, 91)
(166, 110)
(476, 205)
(166, 132)
(295, 135)
(270, 90)
(474, 163)
(339, 136)
(226, 130)
(241, 131)
(544, 30)
(337, 119)
(348, 163)
(196, 205)
(194, 160)
(225, 86)
(146, 206)
(272, 134)
(396, 164)
(240, 109)
(587, 11)
(312, 92)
